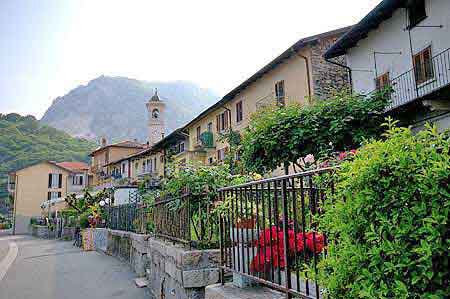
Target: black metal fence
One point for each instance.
(262, 215)
(422, 80)
(187, 219)
(130, 217)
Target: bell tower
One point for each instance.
(156, 124)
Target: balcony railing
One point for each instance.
(271, 100)
(207, 139)
(405, 88)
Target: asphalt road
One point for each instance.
(47, 269)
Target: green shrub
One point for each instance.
(84, 221)
(283, 135)
(389, 225)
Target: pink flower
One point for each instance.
(342, 155)
(353, 151)
(309, 159)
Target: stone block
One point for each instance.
(173, 271)
(200, 278)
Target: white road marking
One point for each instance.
(9, 259)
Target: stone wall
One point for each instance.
(41, 231)
(327, 78)
(172, 272)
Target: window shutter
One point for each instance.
(59, 195)
(49, 180)
(225, 125)
(218, 123)
(49, 195)
(60, 180)
(81, 180)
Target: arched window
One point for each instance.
(155, 113)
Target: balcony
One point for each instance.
(271, 100)
(207, 140)
(406, 89)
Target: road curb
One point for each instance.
(9, 259)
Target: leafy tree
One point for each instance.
(25, 141)
(285, 134)
(388, 226)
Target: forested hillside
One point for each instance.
(23, 141)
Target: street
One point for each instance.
(49, 269)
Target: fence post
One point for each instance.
(286, 235)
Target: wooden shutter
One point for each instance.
(81, 180)
(49, 180)
(49, 195)
(218, 122)
(59, 195)
(60, 180)
(225, 122)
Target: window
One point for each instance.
(423, 66)
(136, 166)
(210, 127)
(222, 121)
(123, 167)
(416, 12)
(154, 165)
(144, 165)
(221, 154)
(155, 113)
(181, 146)
(210, 160)
(55, 180)
(239, 112)
(198, 133)
(77, 180)
(382, 81)
(53, 195)
(106, 157)
(279, 93)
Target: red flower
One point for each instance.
(315, 242)
(268, 236)
(353, 151)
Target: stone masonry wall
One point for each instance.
(173, 272)
(327, 78)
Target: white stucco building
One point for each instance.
(406, 44)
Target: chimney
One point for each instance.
(103, 142)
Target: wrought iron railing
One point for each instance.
(261, 215)
(188, 220)
(405, 88)
(271, 100)
(132, 217)
(207, 139)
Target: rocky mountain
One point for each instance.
(114, 107)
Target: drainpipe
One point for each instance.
(349, 70)
(308, 76)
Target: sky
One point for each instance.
(49, 47)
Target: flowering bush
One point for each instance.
(388, 227)
(271, 247)
(284, 135)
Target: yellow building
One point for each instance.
(298, 75)
(105, 154)
(44, 182)
(150, 164)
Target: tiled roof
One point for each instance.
(126, 143)
(74, 166)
